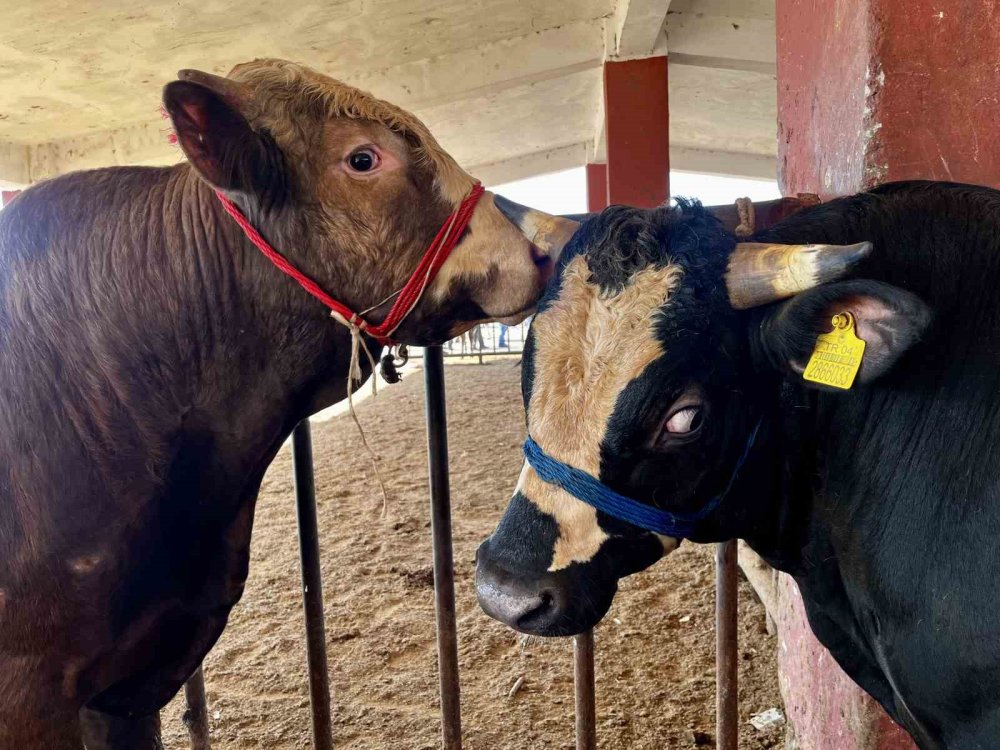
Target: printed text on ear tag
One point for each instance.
(837, 357)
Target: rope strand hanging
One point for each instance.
(407, 298)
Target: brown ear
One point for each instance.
(238, 95)
(209, 119)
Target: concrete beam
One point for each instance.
(762, 9)
(489, 69)
(723, 163)
(144, 144)
(637, 25)
(531, 165)
(423, 84)
(599, 147)
(15, 168)
(721, 37)
(723, 63)
(722, 110)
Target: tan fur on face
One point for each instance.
(493, 262)
(494, 259)
(291, 90)
(588, 347)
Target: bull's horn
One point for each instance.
(548, 233)
(759, 273)
(236, 93)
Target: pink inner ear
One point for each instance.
(869, 315)
(195, 114)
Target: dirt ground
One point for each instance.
(655, 650)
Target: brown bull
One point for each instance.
(152, 362)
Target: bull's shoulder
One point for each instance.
(73, 203)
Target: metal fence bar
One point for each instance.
(586, 703)
(444, 566)
(726, 679)
(312, 586)
(196, 714)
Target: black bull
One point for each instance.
(881, 501)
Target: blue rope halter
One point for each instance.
(583, 486)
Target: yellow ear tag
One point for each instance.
(837, 357)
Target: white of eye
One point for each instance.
(684, 420)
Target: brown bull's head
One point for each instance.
(654, 364)
(353, 190)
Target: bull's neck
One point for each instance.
(257, 332)
(773, 504)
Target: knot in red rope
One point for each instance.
(408, 297)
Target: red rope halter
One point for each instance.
(440, 248)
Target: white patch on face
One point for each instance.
(580, 535)
(588, 348)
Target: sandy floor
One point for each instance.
(655, 664)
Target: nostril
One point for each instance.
(550, 603)
(524, 603)
(539, 615)
(513, 605)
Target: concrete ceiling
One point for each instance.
(510, 87)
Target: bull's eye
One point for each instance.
(684, 421)
(363, 160)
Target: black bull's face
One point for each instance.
(596, 366)
(636, 371)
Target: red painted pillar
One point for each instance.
(871, 91)
(6, 196)
(636, 112)
(597, 187)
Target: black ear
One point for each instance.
(219, 141)
(888, 319)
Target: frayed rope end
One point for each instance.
(354, 375)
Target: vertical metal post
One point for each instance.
(586, 703)
(312, 586)
(196, 715)
(726, 680)
(444, 566)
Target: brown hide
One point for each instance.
(152, 362)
